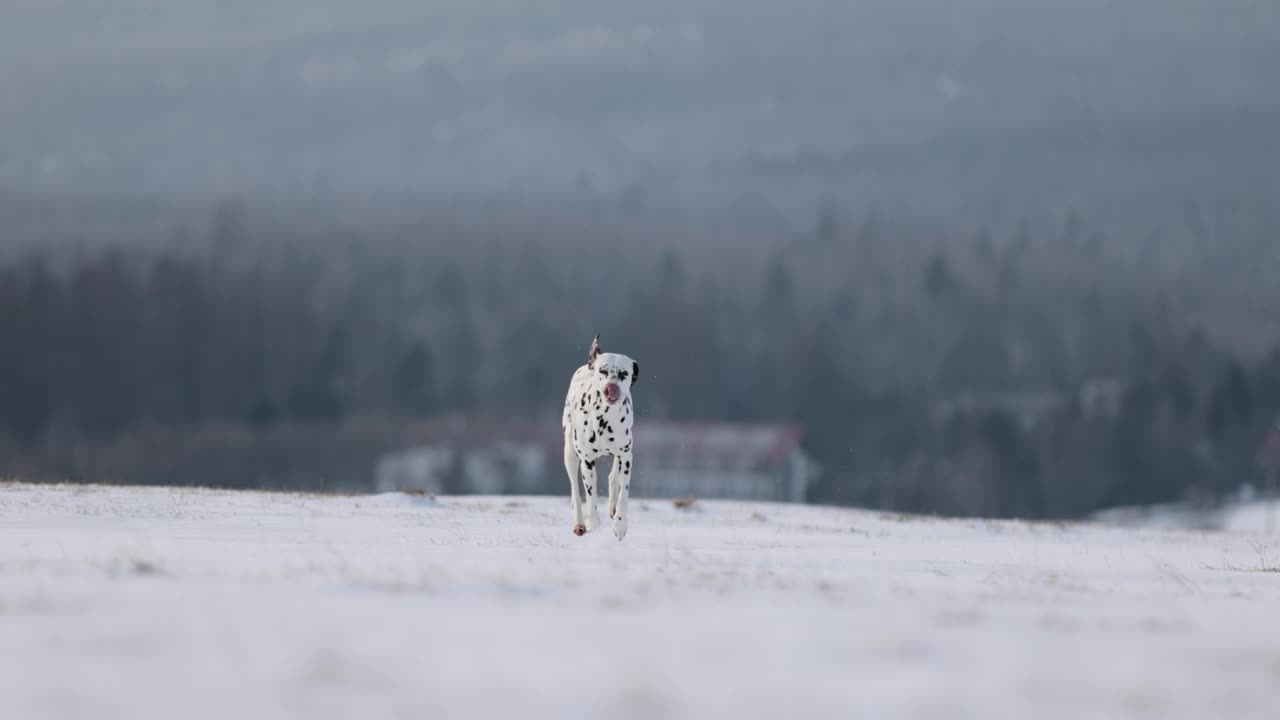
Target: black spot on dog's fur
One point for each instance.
(591, 464)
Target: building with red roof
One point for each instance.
(673, 459)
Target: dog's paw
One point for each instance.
(620, 527)
(593, 519)
(579, 530)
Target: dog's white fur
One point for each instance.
(593, 428)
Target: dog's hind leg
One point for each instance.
(572, 466)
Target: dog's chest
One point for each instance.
(600, 428)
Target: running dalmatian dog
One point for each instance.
(597, 421)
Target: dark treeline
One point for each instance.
(1043, 370)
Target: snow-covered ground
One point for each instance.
(145, 603)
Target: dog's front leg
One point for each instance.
(613, 488)
(622, 464)
(589, 482)
(572, 465)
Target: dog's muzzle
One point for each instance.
(612, 393)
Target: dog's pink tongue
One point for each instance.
(612, 392)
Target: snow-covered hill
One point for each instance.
(177, 603)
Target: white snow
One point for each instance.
(1262, 518)
(168, 603)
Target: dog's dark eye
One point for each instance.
(622, 375)
(604, 372)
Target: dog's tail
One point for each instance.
(595, 352)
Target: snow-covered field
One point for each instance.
(167, 603)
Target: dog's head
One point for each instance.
(613, 373)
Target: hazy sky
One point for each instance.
(603, 94)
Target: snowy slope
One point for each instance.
(176, 603)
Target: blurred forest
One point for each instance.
(1035, 370)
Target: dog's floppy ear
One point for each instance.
(594, 353)
(635, 372)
